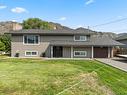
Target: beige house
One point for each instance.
(123, 39)
(61, 44)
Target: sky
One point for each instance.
(71, 13)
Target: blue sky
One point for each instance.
(71, 13)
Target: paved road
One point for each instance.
(118, 63)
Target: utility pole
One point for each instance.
(88, 27)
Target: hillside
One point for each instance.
(109, 34)
(9, 26)
(121, 34)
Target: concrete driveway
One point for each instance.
(119, 63)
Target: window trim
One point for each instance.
(80, 39)
(31, 53)
(80, 55)
(31, 44)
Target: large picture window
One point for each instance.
(80, 38)
(80, 53)
(31, 39)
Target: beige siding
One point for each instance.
(18, 46)
(56, 38)
(44, 46)
(59, 38)
(66, 52)
(87, 49)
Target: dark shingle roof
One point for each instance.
(95, 41)
(69, 43)
(105, 41)
(123, 37)
(51, 32)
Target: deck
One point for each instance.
(123, 56)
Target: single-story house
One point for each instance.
(61, 44)
(123, 39)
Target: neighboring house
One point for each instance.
(61, 44)
(123, 39)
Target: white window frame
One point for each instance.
(80, 38)
(31, 44)
(80, 55)
(31, 53)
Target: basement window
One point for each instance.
(80, 53)
(31, 53)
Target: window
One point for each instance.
(31, 53)
(31, 39)
(80, 38)
(80, 53)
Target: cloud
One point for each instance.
(19, 10)
(119, 16)
(3, 6)
(14, 20)
(62, 18)
(79, 26)
(90, 2)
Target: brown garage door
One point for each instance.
(100, 52)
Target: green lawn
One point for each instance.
(44, 77)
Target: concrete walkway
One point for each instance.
(117, 63)
(68, 59)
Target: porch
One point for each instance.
(81, 52)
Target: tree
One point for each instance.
(2, 46)
(35, 23)
(45, 25)
(5, 43)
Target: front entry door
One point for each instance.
(57, 51)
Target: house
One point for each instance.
(67, 43)
(123, 39)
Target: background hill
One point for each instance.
(9, 26)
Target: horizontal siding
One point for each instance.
(87, 49)
(43, 47)
(18, 46)
(67, 52)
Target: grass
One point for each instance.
(4, 56)
(49, 77)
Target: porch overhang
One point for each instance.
(87, 43)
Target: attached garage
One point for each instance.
(100, 52)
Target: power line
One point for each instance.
(107, 23)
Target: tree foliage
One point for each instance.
(35, 23)
(5, 43)
(2, 46)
